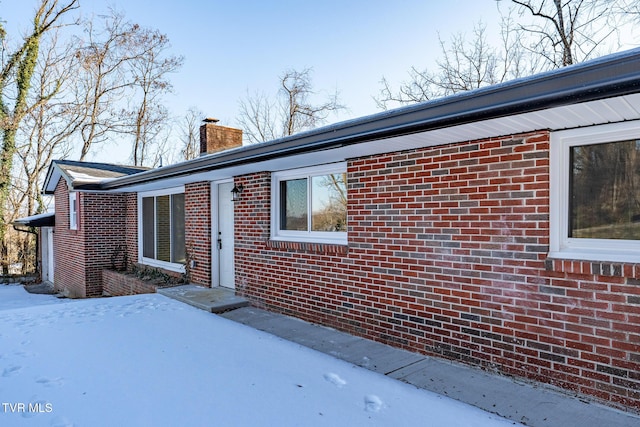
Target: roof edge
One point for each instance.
(600, 78)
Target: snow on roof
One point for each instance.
(84, 177)
(86, 174)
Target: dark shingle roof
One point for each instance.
(86, 175)
(98, 170)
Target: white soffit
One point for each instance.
(567, 117)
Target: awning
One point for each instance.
(47, 219)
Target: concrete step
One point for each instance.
(213, 300)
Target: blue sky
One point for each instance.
(240, 46)
(231, 47)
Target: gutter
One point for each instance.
(605, 77)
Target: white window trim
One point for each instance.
(73, 210)
(560, 245)
(171, 266)
(339, 238)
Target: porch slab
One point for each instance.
(374, 356)
(527, 403)
(213, 300)
(44, 288)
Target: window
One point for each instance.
(73, 210)
(162, 241)
(310, 205)
(595, 193)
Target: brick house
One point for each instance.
(86, 236)
(496, 227)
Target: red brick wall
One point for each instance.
(197, 201)
(69, 274)
(103, 217)
(254, 274)
(446, 255)
(119, 284)
(131, 227)
(80, 255)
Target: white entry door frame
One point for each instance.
(46, 252)
(222, 235)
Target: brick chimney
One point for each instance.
(214, 138)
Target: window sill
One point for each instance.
(177, 268)
(322, 248)
(597, 268)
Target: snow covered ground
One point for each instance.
(147, 360)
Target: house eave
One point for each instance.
(46, 219)
(600, 79)
(84, 175)
(52, 178)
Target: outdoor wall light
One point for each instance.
(235, 193)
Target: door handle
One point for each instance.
(219, 243)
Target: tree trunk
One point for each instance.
(4, 253)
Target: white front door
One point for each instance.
(224, 238)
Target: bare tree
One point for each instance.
(102, 79)
(536, 35)
(566, 32)
(105, 84)
(332, 214)
(630, 9)
(122, 78)
(149, 70)
(159, 151)
(47, 130)
(44, 133)
(190, 133)
(464, 65)
(292, 111)
(15, 85)
(257, 118)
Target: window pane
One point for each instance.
(178, 253)
(293, 204)
(148, 227)
(163, 229)
(73, 211)
(329, 203)
(605, 191)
